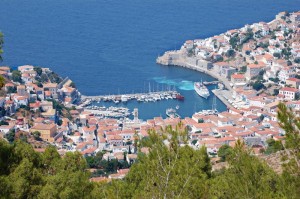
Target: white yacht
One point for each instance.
(201, 89)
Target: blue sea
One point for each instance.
(110, 46)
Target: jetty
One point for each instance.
(140, 97)
(211, 83)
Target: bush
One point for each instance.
(277, 55)
(243, 69)
(224, 152)
(258, 85)
(230, 53)
(16, 76)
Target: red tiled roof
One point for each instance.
(289, 89)
(293, 79)
(237, 76)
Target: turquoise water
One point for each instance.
(110, 47)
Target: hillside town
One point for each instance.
(258, 64)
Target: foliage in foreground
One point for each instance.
(170, 170)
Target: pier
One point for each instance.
(140, 97)
(211, 83)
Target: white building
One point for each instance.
(289, 93)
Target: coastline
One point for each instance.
(168, 60)
(181, 61)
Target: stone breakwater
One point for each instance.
(179, 58)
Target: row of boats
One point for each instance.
(145, 97)
(109, 112)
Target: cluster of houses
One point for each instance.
(255, 125)
(271, 54)
(265, 56)
(271, 47)
(259, 64)
(25, 91)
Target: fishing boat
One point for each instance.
(201, 89)
(179, 97)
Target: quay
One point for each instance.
(211, 83)
(140, 97)
(224, 96)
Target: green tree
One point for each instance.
(273, 146)
(38, 70)
(11, 89)
(26, 180)
(230, 53)
(258, 85)
(248, 177)
(243, 69)
(51, 161)
(224, 152)
(2, 81)
(10, 135)
(194, 142)
(36, 135)
(291, 125)
(277, 55)
(73, 85)
(5, 157)
(169, 171)
(234, 41)
(3, 122)
(16, 76)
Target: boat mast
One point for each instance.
(214, 104)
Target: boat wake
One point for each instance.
(179, 83)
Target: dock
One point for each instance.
(223, 95)
(211, 83)
(140, 97)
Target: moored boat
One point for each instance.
(201, 89)
(179, 97)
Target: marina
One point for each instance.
(139, 97)
(110, 112)
(99, 105)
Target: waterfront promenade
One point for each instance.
(224, 96)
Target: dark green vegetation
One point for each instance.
(168, 171)
(273, 146)
(16, 76)
(2, 81)
(25, 173)
(47, 76)
(224, 152)
(105, 167)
